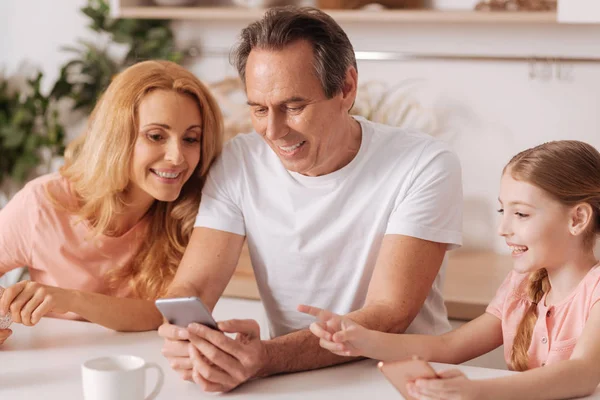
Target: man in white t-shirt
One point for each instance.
(339, 212)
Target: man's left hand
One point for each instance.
(221, 363)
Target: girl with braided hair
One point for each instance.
(545, 313)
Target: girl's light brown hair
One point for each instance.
(98, 166)
(569, 172)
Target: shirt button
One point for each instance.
(544, 340)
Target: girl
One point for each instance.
(108, 231)
(545, 313)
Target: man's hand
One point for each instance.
(220, 363)
(339, 334)
(29, 301)
(175, 349)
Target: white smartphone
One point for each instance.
(182, 311)
(399, 373)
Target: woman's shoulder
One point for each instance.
(48, 189)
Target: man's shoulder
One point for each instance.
(402, 141)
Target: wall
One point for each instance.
(488, 111)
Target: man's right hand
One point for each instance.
(4, 334)
(176, 349)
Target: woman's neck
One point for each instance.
(564, 279)
(136, 207)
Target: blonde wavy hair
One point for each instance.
(97, 166)
(568, 171)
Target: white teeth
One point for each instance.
(291, 148)
(518, 249)
(170, 175)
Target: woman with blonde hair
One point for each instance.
(107, 232)
(547, 311)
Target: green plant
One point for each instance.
(29, 120)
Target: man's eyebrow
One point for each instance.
(293, 99)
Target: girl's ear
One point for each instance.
(581, 216)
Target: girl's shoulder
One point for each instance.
(516, 285)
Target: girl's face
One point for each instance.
(167, 148)
(534, 225)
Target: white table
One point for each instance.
(43, 362)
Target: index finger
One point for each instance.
(173, 332)
(9, 294)
(315, 311)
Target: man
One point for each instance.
(339, 213)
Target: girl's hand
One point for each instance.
(339, 334)
(28, 302)
(452, 385)
(4, 334)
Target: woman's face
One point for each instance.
(167, 148)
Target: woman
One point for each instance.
(108, 231)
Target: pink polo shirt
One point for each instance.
(58, 247)
(557, 328)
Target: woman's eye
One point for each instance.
(521, 215)
(154, 137)
(191, 140)
(500, 211)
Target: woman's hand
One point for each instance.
(339, 334)
(28, 302)
(4, 334)
(451, 385)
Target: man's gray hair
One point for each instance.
(281, 26)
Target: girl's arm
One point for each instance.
(29, 301)
(343, 336)
(577, 377)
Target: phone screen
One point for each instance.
(183, 311)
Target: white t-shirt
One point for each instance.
(315, 240)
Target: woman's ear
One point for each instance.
(581, 216)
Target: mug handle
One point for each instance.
(159, 382)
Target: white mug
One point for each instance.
(118, 378)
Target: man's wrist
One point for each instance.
(267, 367)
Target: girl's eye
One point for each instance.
(521, 215)
(500, 211)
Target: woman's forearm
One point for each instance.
(120, 314)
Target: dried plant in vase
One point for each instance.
(398, 105)
(516, 5)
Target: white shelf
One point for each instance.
(342, 16)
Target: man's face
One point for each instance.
(307, 131)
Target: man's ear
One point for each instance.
(581, 216)
(350, 88)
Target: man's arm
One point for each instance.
(207, 265)
(404, 273)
